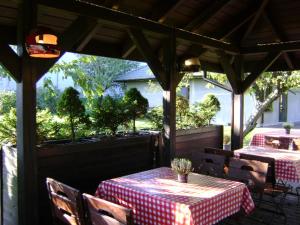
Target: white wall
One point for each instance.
(293, 114)
(154, 95)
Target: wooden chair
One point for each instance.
(66, 203)
(210, 164)
(271, 165)
(227, 154)
(102, 212)
(252, 173)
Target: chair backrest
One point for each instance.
(102, 212)
(252, 173)
(271, 165)
(296, 144)
(227, 154)
(211, 164)
(66, 202)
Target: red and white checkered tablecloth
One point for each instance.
(258, 139)
(287, 163)
(157, 198)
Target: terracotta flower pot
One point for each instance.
(183, 178)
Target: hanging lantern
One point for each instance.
(42, 43)
(191, 64)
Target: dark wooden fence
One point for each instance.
(83, 166)
(190, 142)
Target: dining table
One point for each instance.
(157, 197)
(277, 138)
(287, 163)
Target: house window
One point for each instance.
(185, 92)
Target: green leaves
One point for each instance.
(72, 107)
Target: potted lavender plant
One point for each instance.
(182, 167)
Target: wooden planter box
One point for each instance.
(9, 185)
(85, 165)
(189, 142)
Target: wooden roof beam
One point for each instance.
(280, 36)
(147, 52)
(11, 61)
(232, 75)
(255, 19)
(163, 9)
(259, 68)
(119, 18)
(205, 15)
(161, 12)
(226, 31)
(290, 46)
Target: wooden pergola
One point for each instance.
(241, 38)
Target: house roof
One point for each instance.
(143, 73)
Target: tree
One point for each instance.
(155, 115)
(268, 88)
(93, 74)
(7, 101)
(109, 114)
(48, 96)
(209, 107)
(136, 105)
(182, 109)
(71, 106)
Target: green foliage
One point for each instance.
(8, 123)
(110, 114)
(155, 116)
(287, 126)
(72, 108)
(136, 105)
(4, 73)
(94, 75)
(48, 96)
(181, 165)
(209, 107)
(7, 101)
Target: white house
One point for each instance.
(143, 79)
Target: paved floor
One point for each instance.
(291, 208)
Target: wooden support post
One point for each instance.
(169, 101)
(26, 122)
(237, 121)
(169, 122)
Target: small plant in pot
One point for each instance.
(226, 142)
(182, 167)
(287, 127)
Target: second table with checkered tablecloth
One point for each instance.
(279, 139)
(287, 163)
(156, 197)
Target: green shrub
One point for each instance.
(155, 116)
(136, 105)
(48, 99)
(8, 124)
(71, 107)
(182, 110)
(7, 101)
(110, 114)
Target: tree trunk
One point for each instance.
(252, 121)
(72, 129)
(134, 128)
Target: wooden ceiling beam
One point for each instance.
(147, 52)
(291, 46)
(74, 34)
(126, 21)
(163, 9)
(205, 15)
(227, 30)
(280, 36)
(161, 12)
(88, 37)
(255, 19)
(232, 75)
(11, 61)
(259, 68)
